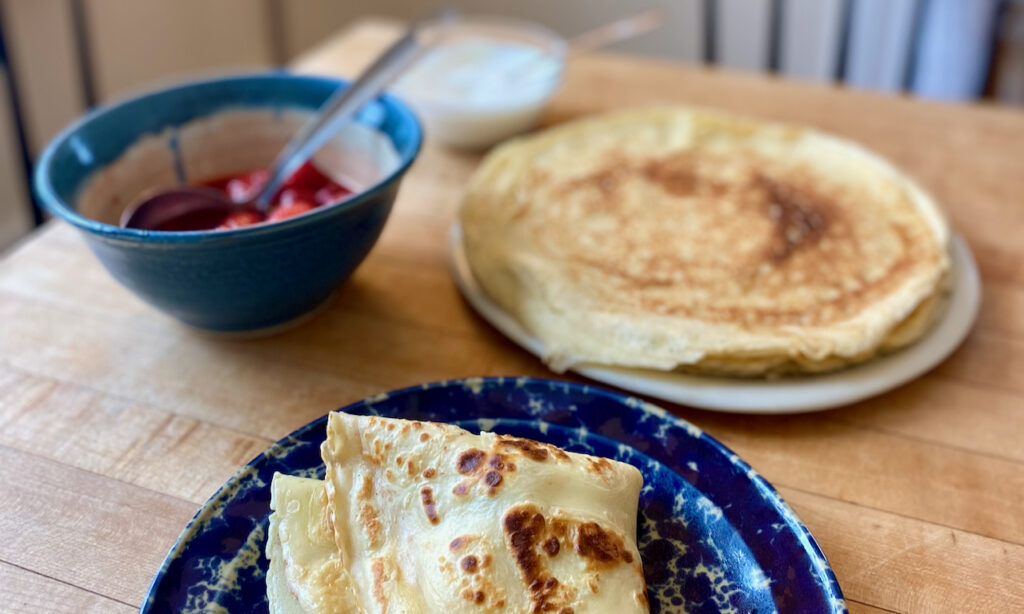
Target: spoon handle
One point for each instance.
(345, 103)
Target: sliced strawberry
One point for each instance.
(308, 177)
(239, 219)
(283, 212)
(330, 193)
(290, 196)
(245, 187)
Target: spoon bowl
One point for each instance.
(185, 208)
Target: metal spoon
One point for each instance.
(190, 207)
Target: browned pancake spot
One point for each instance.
(641, 597)
(380, 576)
(469, 563)
(469, 460)
(599, 466)
(429, 506)
(800, 217)
(675, 174)
(524, 528)
(371, 524)
(600, 546)
(366, 490)
(493, 480)
(532, 449)
(552, 546)
(489, 467)
(477, 597)
(499, 462)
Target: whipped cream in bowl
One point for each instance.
(489, 80)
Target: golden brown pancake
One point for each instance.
(673, 238)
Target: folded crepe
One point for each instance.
(423, 517)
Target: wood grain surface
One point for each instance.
(116, 423)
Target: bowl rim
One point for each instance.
(559, 45)
(56, 206)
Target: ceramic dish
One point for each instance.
(489, 80)
(772, 396)
(713, 534)
(256, 278)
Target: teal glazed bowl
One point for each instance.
(243, 280)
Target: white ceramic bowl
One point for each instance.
(489, 80)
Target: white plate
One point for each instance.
(776, 396)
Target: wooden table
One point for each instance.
(116, 423)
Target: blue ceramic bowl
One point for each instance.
(238, 280)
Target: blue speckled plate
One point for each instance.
(714, 535)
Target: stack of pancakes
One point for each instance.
(677, 239)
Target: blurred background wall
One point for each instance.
(60, 57)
